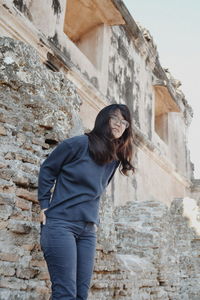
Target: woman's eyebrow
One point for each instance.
(117, 117)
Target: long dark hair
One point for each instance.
(102, 145)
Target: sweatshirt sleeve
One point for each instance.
(50, 169)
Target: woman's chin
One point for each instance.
(116, 136)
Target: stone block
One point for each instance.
(22, 227)
(7, 174)
(27, 157)
(19, 214)
(27, 146)
(7, 269)
(52, 138)
(38, 263)
(21, 138)
(7, 198)
(3, 224)
(9, 257)
(23, 204)
(3, 165)
(43, 290)
(43, 275)
(28, 247)
(25, 179)
(26, 273)
(3, 130)
(30, 169)
(21, 180)
(26, 126)
(13, 283)
(7, 187)
(5, 211)
(9, 156)
(25, 194)
(40, 142)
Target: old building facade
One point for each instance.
(61, 62)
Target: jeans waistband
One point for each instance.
(48, 219)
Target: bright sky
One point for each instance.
(175, 27)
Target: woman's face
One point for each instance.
(118, 124)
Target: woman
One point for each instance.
(79, 169)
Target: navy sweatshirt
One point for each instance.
(79, 181)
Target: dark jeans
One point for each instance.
(69, 250)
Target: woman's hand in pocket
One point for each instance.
(43, 216)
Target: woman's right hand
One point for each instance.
(43, 216)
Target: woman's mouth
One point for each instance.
(116, 130)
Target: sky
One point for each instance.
(175, 27)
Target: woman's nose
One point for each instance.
(118, 123)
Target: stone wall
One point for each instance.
(38, 108)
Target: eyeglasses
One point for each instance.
(122, 122)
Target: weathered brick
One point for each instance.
(30, 169)
(42, 290)
(28, 247)
(31, 196)
(21, 138)
(18, 226)
(37, 254)
(7, 198)
(9, 156)
(3, 116)
(5, 211)
(40, 142)
(7, 174)
(3, 165)
(52, 138)
(27, 158)
(3, 130)
(7, 269)
(9, 256)
(23, 204)
(27, 146)
(43, 275)
(7, 188)
(26, 273)
(19, 214)
(13, 283)
(3, 224)
(5, 183)
(38, 263)
(21, 180)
